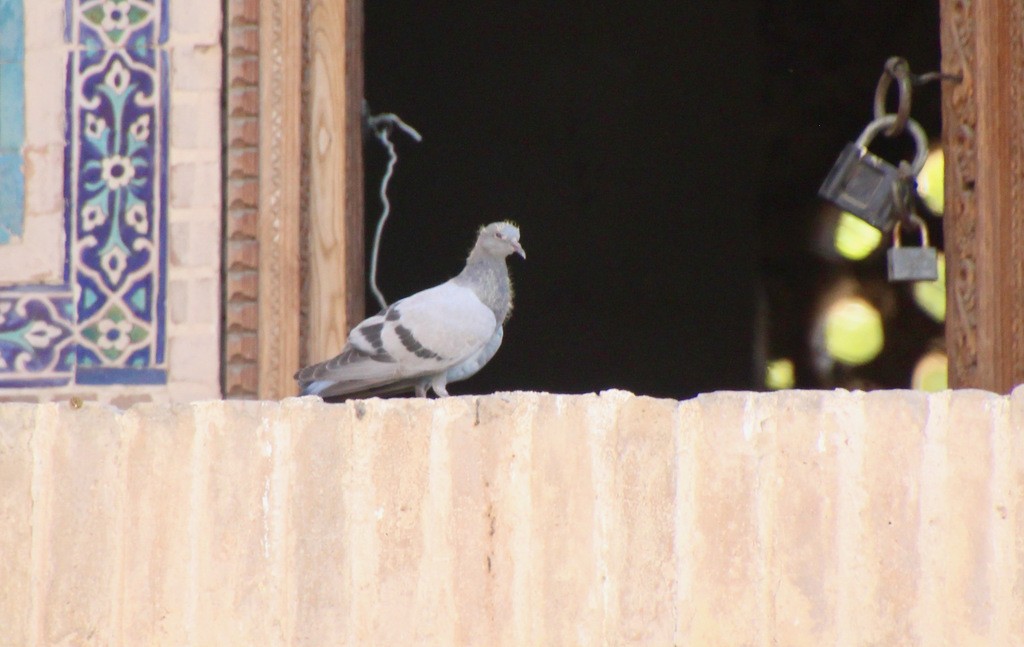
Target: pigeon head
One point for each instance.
(499, 239)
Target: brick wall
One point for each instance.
(796, 518)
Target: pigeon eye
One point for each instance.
(500, 235)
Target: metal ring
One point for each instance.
(916, 131)
(895, 68)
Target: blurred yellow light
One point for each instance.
(853, 331)
(931, 372)
(780, 374)
(930, 182)
(854, 238)
(930, 296)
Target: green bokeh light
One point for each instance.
(930, 296)
(853, 331)
(930, 182)
(780, 374)
(931, 373)
(854, 238)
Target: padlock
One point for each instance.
(862, 183)
(912, 263)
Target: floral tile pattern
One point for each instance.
(107, 325)
(36, 337)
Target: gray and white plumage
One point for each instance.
(441, 335)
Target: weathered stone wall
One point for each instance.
(797, 518)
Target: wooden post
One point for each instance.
(983, 131)
(335, 205)
(280, 167)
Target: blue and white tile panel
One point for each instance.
(106, 324)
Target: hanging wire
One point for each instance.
(382, 125)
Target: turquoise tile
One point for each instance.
(12, 30)
(12, 107)
(12, 197)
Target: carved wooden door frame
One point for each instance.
(293, 186)
(293, 252)
(983, 134)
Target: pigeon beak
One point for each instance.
(519, 249)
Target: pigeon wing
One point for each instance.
(425, 334)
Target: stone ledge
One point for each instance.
(795, 518)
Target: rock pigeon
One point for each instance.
(425, 341)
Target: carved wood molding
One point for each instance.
(983, 130)
(240, 375)
(280, 167)
(293, 218)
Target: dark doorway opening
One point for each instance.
(662, 162)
